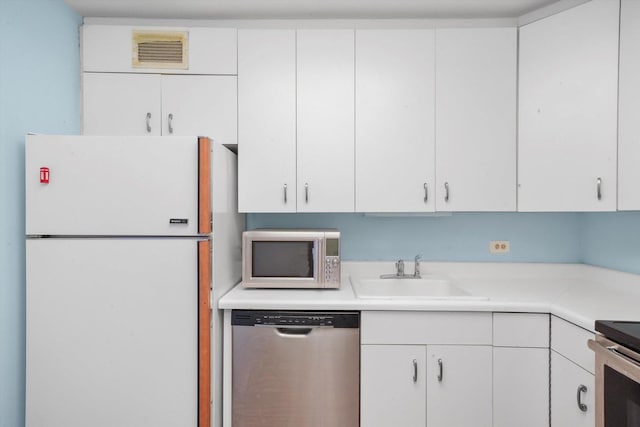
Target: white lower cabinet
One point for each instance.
(459, 386)
(520, 387)
(433, 385)
(425, 369)
(572, 375)
(571, 387)
(392, 388)
(520, 370)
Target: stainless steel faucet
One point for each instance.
(416, 269)
(400, 270)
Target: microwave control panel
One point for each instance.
(332, 269)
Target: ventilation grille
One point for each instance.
(160, 49)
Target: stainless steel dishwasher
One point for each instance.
(296, 368)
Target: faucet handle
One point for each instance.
(418, 258)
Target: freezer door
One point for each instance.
(116, 185)
(112, 332)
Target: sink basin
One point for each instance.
(427, 287)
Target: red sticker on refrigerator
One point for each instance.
(44, 175)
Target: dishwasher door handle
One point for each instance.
(293, 331)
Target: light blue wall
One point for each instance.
(534, 237)
(39, 92)
(611, 240)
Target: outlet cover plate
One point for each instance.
(499, 246)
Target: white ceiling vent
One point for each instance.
(160, 49)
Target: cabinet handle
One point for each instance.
(170, 123)
(148, 122)
(446, 191)
(599, 188)
(285, 193)
(426, 192)
(415, 370)
(441, 370)
(581, 389)
(306, 192)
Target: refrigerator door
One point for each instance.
(112, 332)
(117, 185)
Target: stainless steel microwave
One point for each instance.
(291, 258)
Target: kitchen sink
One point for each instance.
(427, 287)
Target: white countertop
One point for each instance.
(577, 293)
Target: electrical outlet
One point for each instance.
(499, 246)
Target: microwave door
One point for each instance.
(287, 263)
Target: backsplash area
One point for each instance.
(533, 237)
(605, 239)
(611, 240)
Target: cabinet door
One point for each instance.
(200, 106)
(568, 110)
(629, 118)
(566, 379)
(520, 387)
(459, 385)
(395, 106)
(392, 385)
(476, 119)
(325, 117)
(120, 104)
(267, 120)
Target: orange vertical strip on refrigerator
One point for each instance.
(204, 185)
(204, 333)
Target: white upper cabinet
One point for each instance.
(325, 120)
(476, 74)
(128, 89)
(629, 115)
(121, 104)
(200, 105)
(267, 120)
(151, 104)
(395, 136)
(111, 48)
(568, 110)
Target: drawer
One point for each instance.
(521, 330)
(416, 327)
(570, 341)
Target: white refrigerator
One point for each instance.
(130, 243)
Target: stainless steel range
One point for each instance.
(617, 350)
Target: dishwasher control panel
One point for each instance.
(295, 318)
